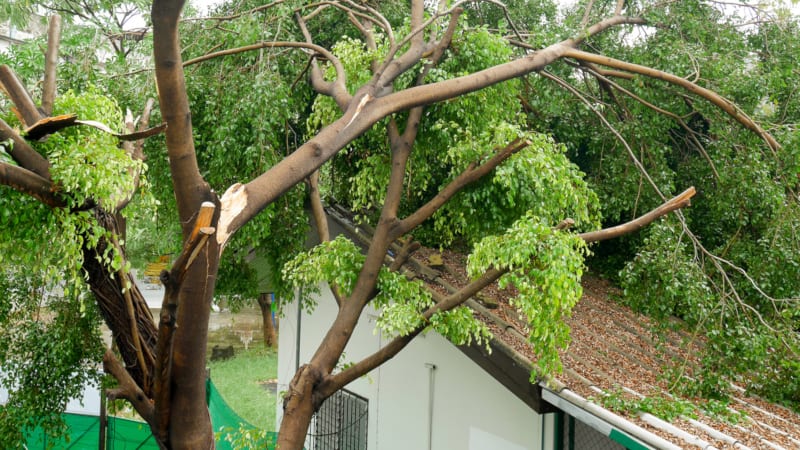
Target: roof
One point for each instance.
(613, 356)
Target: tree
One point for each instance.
(161, 371)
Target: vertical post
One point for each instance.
(431, 378)
(297, 342)
(101, 444)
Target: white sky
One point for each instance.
(794, 5)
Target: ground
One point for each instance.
(247, 383)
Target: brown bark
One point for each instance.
(328, 384)
(365, 110)
(299, 405)
(51, 64)
(182, 415)
(176, 375)
(27, 182)
(190, 424)
(719, 101)
(113, 304)
(26, 109)
(265, 303)
(23, 153)
(679, 201)
(190, 188)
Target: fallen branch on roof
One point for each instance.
(675, 203)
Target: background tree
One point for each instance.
(709, 275)
(402, 77)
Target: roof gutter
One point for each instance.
(604, 421)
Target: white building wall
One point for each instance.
(470, 410)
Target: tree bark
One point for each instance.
(265, 303)
(298, 408)
(108, 291)
(182, 414)
(189, 421)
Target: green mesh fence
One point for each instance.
(225, 420)
(124, 434)
(84, 433)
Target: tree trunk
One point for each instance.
(265, 303)
(299, 406)
(112, 293)
(189, 421)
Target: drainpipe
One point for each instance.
(297, 340)
(431, 378)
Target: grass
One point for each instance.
(240, 382)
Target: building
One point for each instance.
(434, 395)
(10, 35)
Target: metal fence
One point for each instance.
(340, 424)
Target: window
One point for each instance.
(340, 424)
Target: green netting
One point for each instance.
(225, 420)
(124, 434)
(84, 433)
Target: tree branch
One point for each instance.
(334, 382)
(321, 220)
(128, 389)
(679, 201)
(721, 102)
(233, 16)
(263, 190)
(470, 175)
(30, 183)
(23, 153)
(51, 64)
(337, 89)
(26, 109)
(172, 280)
(134, 149)
(602, 75)
(190, 188)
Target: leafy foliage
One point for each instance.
(739, 290)
(400, 302)
(545, 266)
(49, 344)
(50, 334)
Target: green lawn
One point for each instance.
(241, 382)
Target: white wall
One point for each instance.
(88, 403)
(470, 409)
